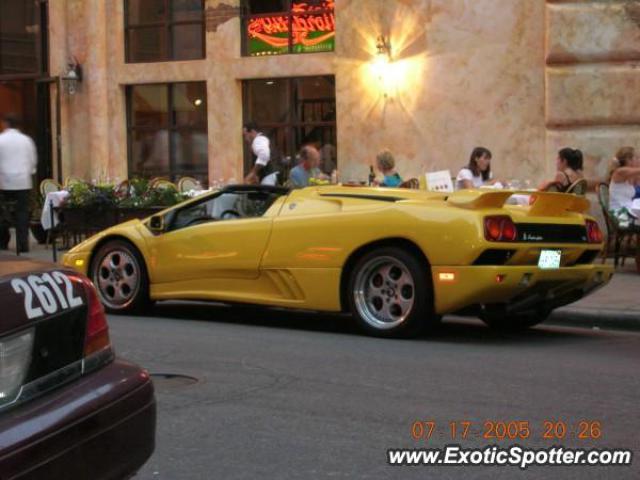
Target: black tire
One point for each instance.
(112, 270)
(395, 304)
(498, 319)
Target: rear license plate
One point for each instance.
(550, 259)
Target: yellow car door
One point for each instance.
(221, 237)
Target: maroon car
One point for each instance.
(69, 409)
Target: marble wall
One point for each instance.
(521, 77)
(593, 78)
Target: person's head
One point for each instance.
(309, 157)
(625, 157)
(250, 131)
(9, 120)
(569, 158)
(385, 161)
(480, 162)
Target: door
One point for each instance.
(221, 237)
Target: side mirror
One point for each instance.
(156, 224)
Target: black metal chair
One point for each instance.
(622, 242)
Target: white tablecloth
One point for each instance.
(56, 199)
(635, 208)
(519, 199)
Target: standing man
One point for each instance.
(18, 161)
(307, 167)
(261, 150)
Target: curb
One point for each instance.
(606, 319)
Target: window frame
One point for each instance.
(167, 25)
(247, 17)
(41, 45)
(293, 123)
(171, 126)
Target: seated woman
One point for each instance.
(478, 172)
(386, 164)
(568, 170)
(624, 173)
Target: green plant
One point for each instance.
(142, 194)
(86, 195)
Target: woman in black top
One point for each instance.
(568, 170)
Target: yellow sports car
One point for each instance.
(397, 259)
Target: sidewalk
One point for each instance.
(616, 306)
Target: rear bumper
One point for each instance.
(101, 426)
(519, 288)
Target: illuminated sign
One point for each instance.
(313, 27)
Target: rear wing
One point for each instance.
(548, 204)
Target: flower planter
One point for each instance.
(125, 214)
(87, 220)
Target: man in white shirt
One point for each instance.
(261, 149)
(18, 161)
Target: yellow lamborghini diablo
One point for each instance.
(396, 259)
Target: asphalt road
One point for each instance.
(293, 395)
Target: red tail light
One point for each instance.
(97, 333)
(500, 228)
(594, 234)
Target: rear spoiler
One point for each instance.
(545, 203)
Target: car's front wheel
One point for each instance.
(119, 274)
(389, 293)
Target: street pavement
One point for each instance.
(289, 395)
(274, 394)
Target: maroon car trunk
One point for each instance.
(74, 411)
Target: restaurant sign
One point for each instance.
(313, 27)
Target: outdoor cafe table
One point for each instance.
(635, 208)
(49, 217)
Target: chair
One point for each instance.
(579, 187)
(617, 237)
(554, 188)
(186, 184)
(162, 184)
(49, 185)
(412, 183)
(70, 181)
(123, 189)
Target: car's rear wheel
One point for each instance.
(120, 276)
(498, 319)
(389, 293)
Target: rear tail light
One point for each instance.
(500, 228)
(15, 357)
(594, 234)
(97, 333)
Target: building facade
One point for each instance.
(166, 85)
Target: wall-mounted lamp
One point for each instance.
(383, 47)
(72, 77)
(380, 66)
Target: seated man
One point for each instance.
(307, 167)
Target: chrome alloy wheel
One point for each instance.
(118, 279)
(384, 292)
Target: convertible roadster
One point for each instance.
(397, 259)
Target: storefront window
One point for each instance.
(19, 38)
(167, 130)
(294, 112)
(273, 27)
(161, 30)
